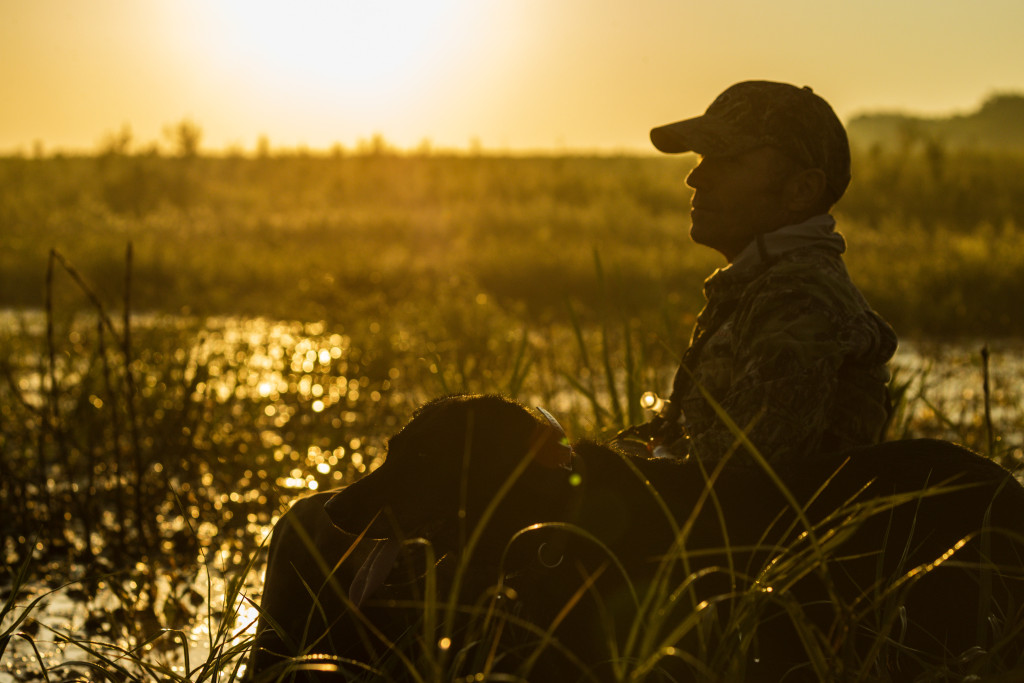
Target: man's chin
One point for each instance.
(702, 234)
(710, 237)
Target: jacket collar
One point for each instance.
(817, 232)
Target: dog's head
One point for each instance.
(448, 464)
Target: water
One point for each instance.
(235, 418)
(287, 408)
(946, 399)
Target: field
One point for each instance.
(345, 238)
(193, 341)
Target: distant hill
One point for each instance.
(997, 125)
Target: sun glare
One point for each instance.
(365, 47)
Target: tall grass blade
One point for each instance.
(43, 671)
(609, 372)
(632, 394)
(990, 436)
(589, 392)
(521, 366)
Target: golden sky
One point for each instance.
(510, 74)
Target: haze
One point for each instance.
(560, 75)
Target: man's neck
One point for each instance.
(816, 231)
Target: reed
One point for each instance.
(216, 433)
(318, 237)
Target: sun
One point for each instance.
(364, 47)
(324, 72)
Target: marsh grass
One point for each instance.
(143, 457)
(143, 634)
(320, 237)
(716, 638)
(166, 654)
(149, 630)
(477, 629)
(712, 647)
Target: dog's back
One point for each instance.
(949, 550)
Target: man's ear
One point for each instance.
(805, 190)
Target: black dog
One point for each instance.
(312, 599)
(901, 556)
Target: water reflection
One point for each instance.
(241, 415)
(945, 395)
(294, 371)
(235, 418)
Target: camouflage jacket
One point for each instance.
(789, 348)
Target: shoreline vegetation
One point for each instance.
(934, 236)
(156, 420)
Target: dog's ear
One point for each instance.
(553, 449)
(554, 453)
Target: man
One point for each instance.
(786, 346)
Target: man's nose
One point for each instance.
(694, 177)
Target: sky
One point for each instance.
(503, 75)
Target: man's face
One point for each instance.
(737, 197)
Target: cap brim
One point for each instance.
(700, 134)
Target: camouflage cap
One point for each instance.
(754, 113)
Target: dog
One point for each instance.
(907, 554)
(306, 612)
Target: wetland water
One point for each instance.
(235, 417)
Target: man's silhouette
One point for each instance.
(786, 345)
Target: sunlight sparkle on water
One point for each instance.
(292, 409)
(287, 408)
